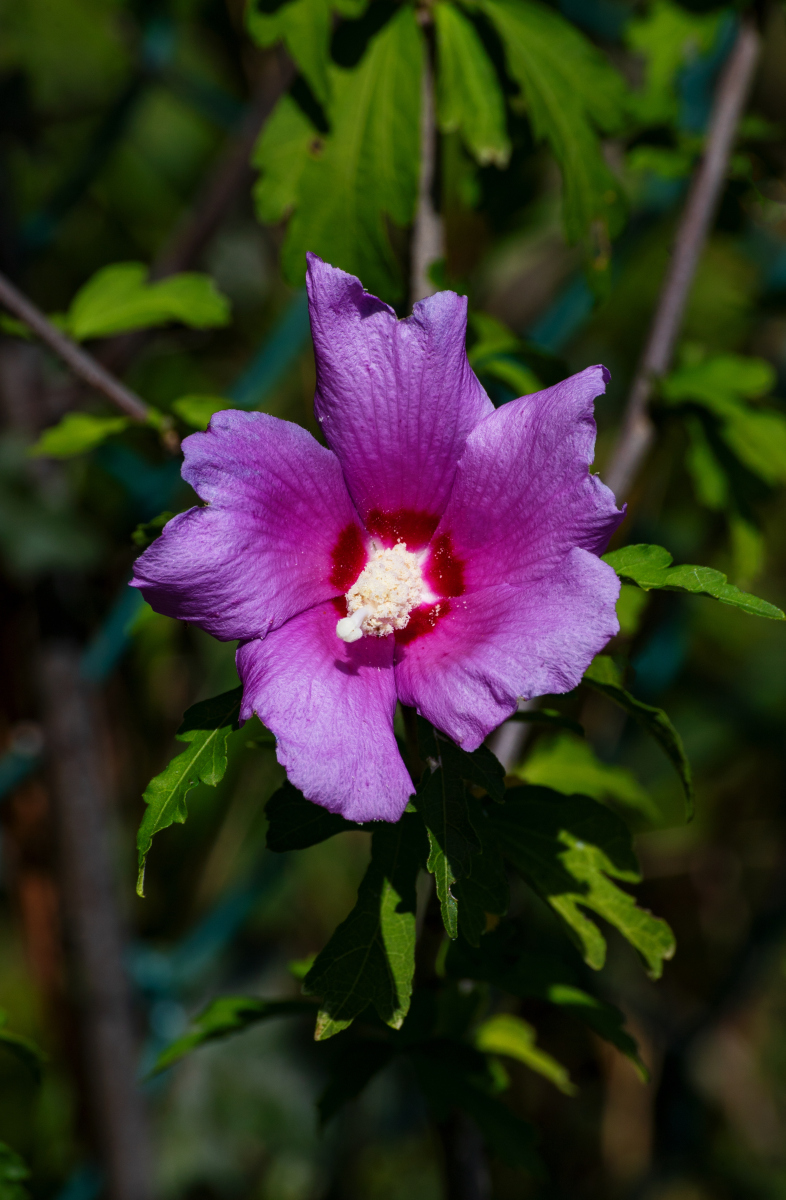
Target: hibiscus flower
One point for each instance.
(438, 552)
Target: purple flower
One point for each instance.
(441, 552)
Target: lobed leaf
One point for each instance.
(77, 433)
(22, 1048)
(571, 849)
(294, 823)
(370, 959)
(118, 299)
(650, 567)
(516, 1038)
(342, 187)
(304, 26)
(469, 97)
(569, 90)
(604, 675)
(225, 1016)
(206, 727)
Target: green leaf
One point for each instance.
(206, 727)
(709, 479)
(304, 26)
(469, 98)
(280, 155)
(22, 1048)
(448, 1084)
(603, 675)
(77, 433)
(118, 298)
(516, 1038)
(666, 37)
(547, 716)
(363, 172)
(501, 961)
(484, 890)
(356, 1067)
(370, 959)
(570, 767)
(13, 1174)
(146, 532)
(650, 567)
(569, 91)
(196, 411)
(225, 1016)
(442, 803)
(571, 849)
(294, 823)
(480, 767)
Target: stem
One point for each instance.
(93, 923)
(637, 431)
(428, 235)
(80, 362)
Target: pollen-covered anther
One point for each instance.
(384, 594)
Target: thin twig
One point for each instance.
(81, 363)
(637, 431)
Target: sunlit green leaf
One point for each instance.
(666, 36)
(370, 959)
(603, 675)
(516, 1038)
(225, 1016)
(77, 433)
(570, 766)
(118, 298)
(469, 98)
(650, 567)
(280, 155)
(571, 849)
(304, 28)
(206, 727)
(196, 411)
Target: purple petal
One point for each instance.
(331, 708)
(492, 646)
(523, 495)
(278, 536)
(396, 399)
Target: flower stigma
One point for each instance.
(384, 594)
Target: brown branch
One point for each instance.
(81, 363)
(637, 431)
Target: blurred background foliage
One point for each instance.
(113, 114)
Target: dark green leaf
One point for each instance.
(119, 298)
(448, 1084)
(603, 675)
(295, 823)
(484, 891)
(650, 567)
(469, 98)
(206, 727)
(571, 849)
(147, 531)
(548, 716)
(370, 959)
(442, 803)
(501, 961)
(224, 1016)
(13, 1174)
(77, 433)
(480, 767)
(569, 89)
(572, 767)
(356, 1067)
(22, 1048)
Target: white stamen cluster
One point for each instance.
(384, 594)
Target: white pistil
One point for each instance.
(387, 589)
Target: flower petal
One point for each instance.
(331, 708)
(523, 495)
(278, 536)
(493, 646)
(396, 399)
